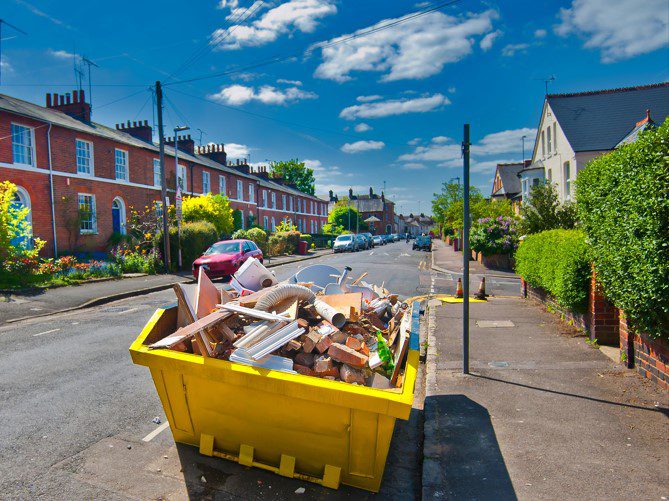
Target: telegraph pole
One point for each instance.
(465, 256)
(163, 183)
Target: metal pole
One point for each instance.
(163, 183)
(465, 256)
(176, 170)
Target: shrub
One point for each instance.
(494, 236)
(558, 262)
(307, 238)
(136, 260)
(195, 239)
(240, 234)
(236, 219)
(212, 208)
(259, 237)
(543, 211)
(284, 243)
(623, 204)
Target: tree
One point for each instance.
(345, 217)
(14, 227)
(295, 172)
(213, 208)
(448, 205)
(543, 211)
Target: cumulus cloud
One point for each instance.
(506, 141)
(511, 49)
(360, 146)
(414, 141)
(289, 82)
(235, 150)
(394, 107)
(362, 127)
(540, 33)
(413, 166)
(243, 13)
(415, 49)
(441, 139)
(241, 94)
(286, 18)
(489, 39)
(366, 99)
(60, 54)
(620, 29)
(5, 65)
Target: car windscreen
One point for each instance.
(423, 240)
(343, 238)
(223, 248)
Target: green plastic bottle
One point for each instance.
(384, 353)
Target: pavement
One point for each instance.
(446, 260)
(37, 302)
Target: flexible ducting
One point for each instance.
(283, 292)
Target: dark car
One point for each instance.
(370, 239)
(363, 244)
(225, 257)
(422, 243)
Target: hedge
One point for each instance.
(307, 238)
(284, 242)
(195, 239)
(558, 262)
(623, 204)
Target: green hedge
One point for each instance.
(623, 205)
(557, 261)
(195, 239)
(258, 236)
(307, 238)
(284, 242)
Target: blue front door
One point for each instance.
(116, 218)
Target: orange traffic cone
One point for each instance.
(458, 291)
(481, 292)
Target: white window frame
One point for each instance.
(183, 175)
(273, 224)
(116, 164)
(91, 162)
(566, 178)
(273, 198)
(243, 219)
(31, 147)
(94, 215)
(555, 137)
(291, 204)
(252, 193)
(206, 184)
(240, 189)
(157, 178)
(264, 198)
(265, 222)
(543, 143)
(222, 185)
(283, 202)
(549, 141)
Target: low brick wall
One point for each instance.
(497, 261)
(650, 357)
(578, 320)
(604, 322)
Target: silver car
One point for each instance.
(345, 243)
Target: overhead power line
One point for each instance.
(313, 48)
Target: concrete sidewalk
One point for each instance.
(40, 302)
(446, 260)
(543, 415)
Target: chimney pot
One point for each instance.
(75, 96)
(48, 100)
(68, 98)
(81, 96)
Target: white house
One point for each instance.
(575, 128)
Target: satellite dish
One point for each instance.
(319, 274)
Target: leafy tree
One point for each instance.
(543, 211)
(345, 217)
(295, 172)
(284, 226)
(213, 208)
(448, 205)
(14, 227)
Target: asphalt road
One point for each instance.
(75, 409)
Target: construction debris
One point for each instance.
(316, 324)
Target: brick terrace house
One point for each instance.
(372, 205)
(79, 178)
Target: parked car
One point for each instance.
(224, 258)
(345, 243)
(422, 243)
(387, 239)
(370, 240)
(377, 240)
(362, 241)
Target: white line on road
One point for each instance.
(127, 311)
(46, 332)
(156, 432)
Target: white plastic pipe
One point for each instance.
(330, 314)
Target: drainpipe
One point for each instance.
(53, 210)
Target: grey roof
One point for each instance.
(366, 204)
(634, 134)
(56, 117)
(509, 175)
(594, 121)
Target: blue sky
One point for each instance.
(361, 110)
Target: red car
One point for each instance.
(224, 258)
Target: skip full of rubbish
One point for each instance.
(318, 323)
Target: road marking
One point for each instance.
(156, 432)
(46, 332)
(127, 311)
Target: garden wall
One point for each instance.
(649, 356)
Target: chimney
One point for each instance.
(186, 144)
(371, 192)
(74, 105)
(331, 195)
(140, 130)
(383, 197)
(215, 152)
(262, 173)
(350, 193)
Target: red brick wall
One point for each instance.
(649, 356)
(603, 315)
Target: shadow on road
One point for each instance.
(464, 460)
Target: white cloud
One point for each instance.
(432, 153)
(451, 90)
(238, 14)
(394, 107)
(366, 99)
(60, 54)
(414, 141)
(441, 139)
(234, 150)
(620, 29)
(286, 18)
(489, 39)
(360, 146)
(506, 141)
(241, 94)
(511, 49)
(362, 127)
(413, 166)
(415, 49)
(289, 82)
(540, 33)
(5, 65)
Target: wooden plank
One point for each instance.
(186, 311)
(207, 295)
(225, 296)
(344, 303)
(190, 330)
(359, 278)
(248, 312)
(399, 360)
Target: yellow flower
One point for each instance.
(136, 247)
(147, 236)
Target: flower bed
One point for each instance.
(66, 270)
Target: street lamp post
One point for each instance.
(176, 170)
(523, 157)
